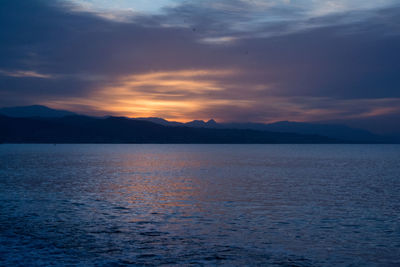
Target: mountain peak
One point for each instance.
(211, 122)
(201, 123)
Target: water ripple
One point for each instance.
(233, 205)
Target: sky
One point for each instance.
(230, 60)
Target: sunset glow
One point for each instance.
(179, 95)
(244, 61)
(200, 132)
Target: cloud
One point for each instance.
(175, 94)
(25, 73)
(231, 60)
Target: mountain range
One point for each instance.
(34, 111)
(40, 124)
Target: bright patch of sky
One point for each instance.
(313, 7)
(321, 8)
(140, 6)
(238, 16)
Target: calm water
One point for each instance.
(277, 205)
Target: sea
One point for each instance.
(199, 205)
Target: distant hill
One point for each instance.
(335, 131)
(160, 121)
(82, 129)
(199, 124)
(34, 111)
(329, 131)
(195, 123)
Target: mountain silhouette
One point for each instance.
(34, 111)
(335, 131)
(330, 130)
(42, 124)
(200, 123)
(83, 129)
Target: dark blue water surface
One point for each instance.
(270, 205)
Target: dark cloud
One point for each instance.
(337, 58)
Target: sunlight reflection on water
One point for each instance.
(281, 205)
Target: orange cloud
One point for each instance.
(184, 95)
(174, 95)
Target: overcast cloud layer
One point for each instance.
(230, 60)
